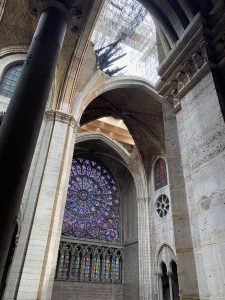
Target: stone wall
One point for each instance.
(131, 276)
(161, 229)
(65, 290)
(202, 141)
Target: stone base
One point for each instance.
(69, 290)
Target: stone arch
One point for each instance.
(130, 161)
(100, 83)
(165, 254)
(95, 88)
(10, 56)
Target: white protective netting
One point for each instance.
(129, 22)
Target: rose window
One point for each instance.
(93, 203)
(162, 205)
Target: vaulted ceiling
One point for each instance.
(141, 113)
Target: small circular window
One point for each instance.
(162, 206)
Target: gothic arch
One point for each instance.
(131, 161)
(11, 56)
(165, 254)
(95, 88)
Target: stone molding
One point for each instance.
(185, 66)
(200, 50)
(99, 135)
(18, 49)
(142, 199)
(62, 118)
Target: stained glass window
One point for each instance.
(86, 266)
(160, 174)
(93, 202)
(75, 265)
(64, 261)
(96, 268)
(9, 80)
(82, 262)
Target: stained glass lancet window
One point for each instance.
(160, 174)
(93, 202)
(9, 80)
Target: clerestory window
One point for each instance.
(9, 80)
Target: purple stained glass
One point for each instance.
(160, 174)
(93, 203)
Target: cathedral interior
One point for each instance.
(112, 149)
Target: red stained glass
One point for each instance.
(160, 174)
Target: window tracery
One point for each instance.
(85, 262)
(162, 205)
(93, 202)
(9, 80)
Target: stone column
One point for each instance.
(40, 262)
(181, 222)
(160, 275)
(169, 274)
(144, 249)
(30, 201)
(20, 127)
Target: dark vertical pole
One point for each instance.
(22, 121)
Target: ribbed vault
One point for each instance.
(141, 113)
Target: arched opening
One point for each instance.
(99, 233)
(165, 282)
(174, 278)
(124, 40)
(140, 109)
(9, 80)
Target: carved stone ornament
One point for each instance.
(65, 118)
(50, 115)
(142, 199)
(61, 117)
(185, 66)
(185, 76)
(135, 160)
(76, 10)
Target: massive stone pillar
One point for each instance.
(213, 22)
(20, 128)
(197, 127)
(40, 261)
(144, 249)
(29, 203)
(181, 222)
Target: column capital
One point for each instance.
(50, 115)
(65, 118)
(62, 117)
(74, 10)
(142, 199)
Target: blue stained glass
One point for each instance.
(93, 202)
(9, 80)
